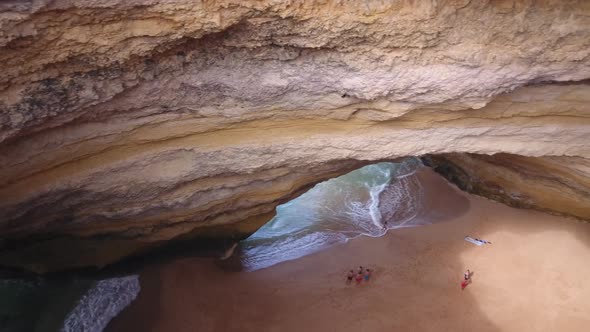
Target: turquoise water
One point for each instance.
(368, 201)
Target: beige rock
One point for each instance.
(558, 185)
(148, 120)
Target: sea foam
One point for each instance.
(101, 303)
(367, 201)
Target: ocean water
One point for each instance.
(368, 201)
(65, 304)
(101, 303)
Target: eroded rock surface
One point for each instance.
(558, 185)
(137, 122)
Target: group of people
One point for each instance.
(365, 274)
(362, 274)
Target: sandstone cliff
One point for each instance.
(124, 124)
(558, 185)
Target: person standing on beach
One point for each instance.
(464, 284)
(367, 275)
(466, 279)
(359, 278)
(349, 277)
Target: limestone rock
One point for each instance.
(558, 185)
(124, 124)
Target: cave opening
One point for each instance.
(389, 195)
(368, 201)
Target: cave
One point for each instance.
(132, 129)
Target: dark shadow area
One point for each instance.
(38, 305)
(30, 302)
(442, 202)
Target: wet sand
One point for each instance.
(532, 278)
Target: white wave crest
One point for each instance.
(101, 303)
(368, 201)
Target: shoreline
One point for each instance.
(530, 279)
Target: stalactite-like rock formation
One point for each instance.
(125, 124)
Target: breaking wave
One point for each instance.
(368, 201)
(101, 303)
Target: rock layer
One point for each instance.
(145, 121)
(558, 185)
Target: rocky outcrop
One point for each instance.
(124, 124)
(558, 185)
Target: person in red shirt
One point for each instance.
(359, 278)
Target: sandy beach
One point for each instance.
(532, 278)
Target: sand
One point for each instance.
(534, 277)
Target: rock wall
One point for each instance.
(558, 185)
(124, 124)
